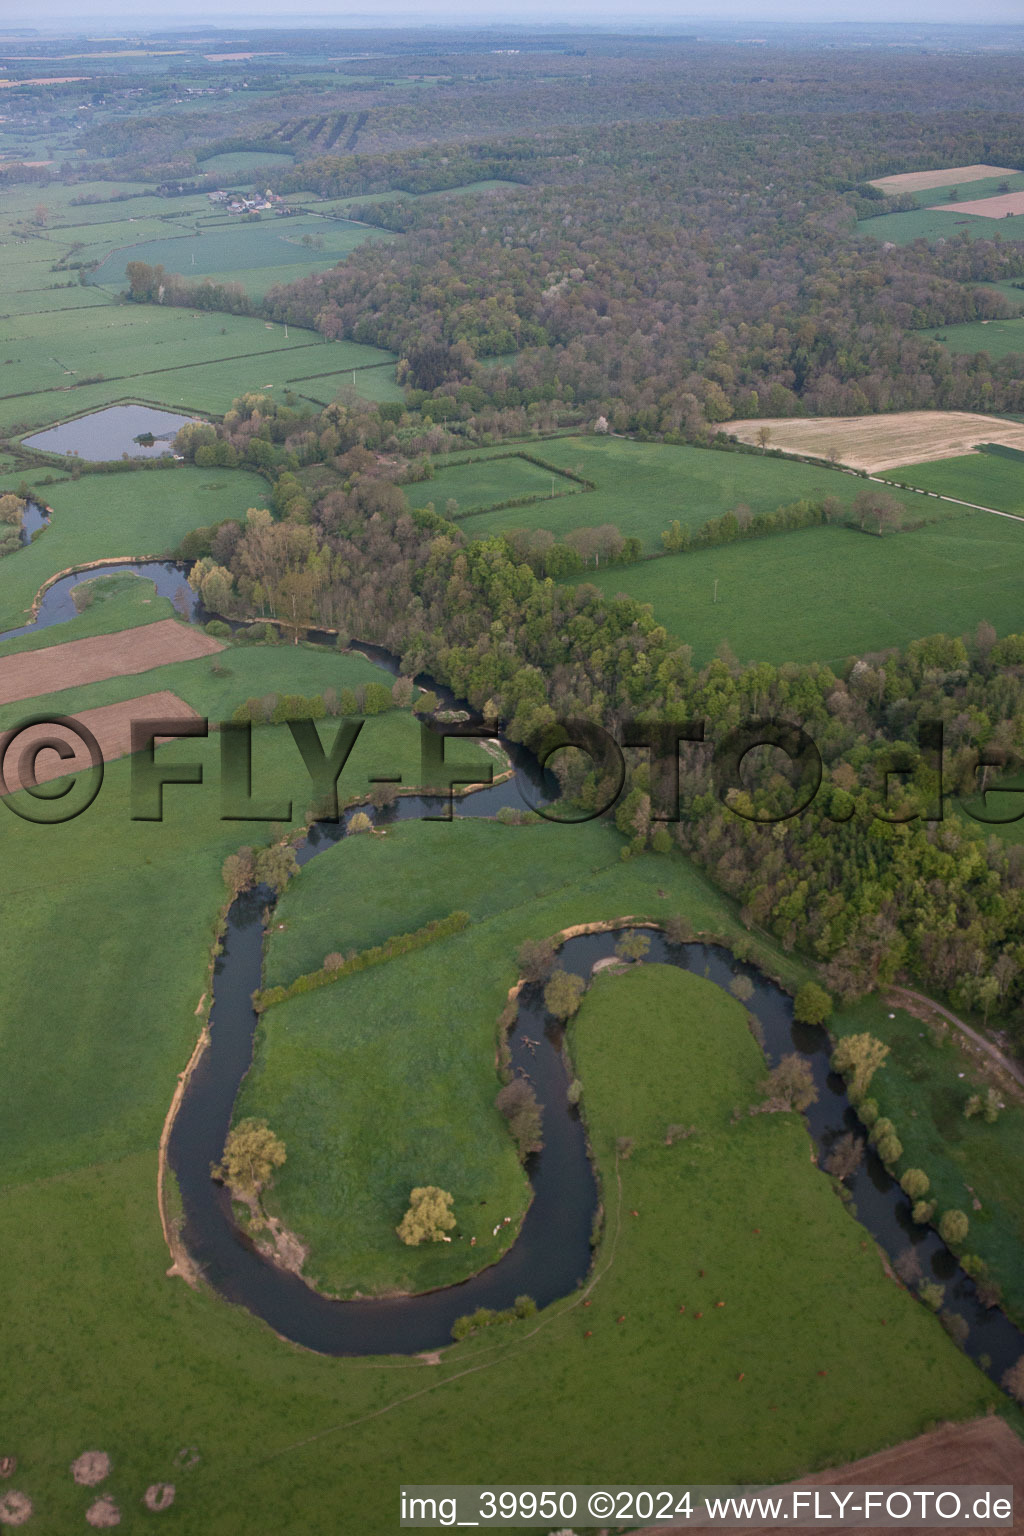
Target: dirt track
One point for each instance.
(878, 443)
(924, 181)
(29, 674)
(985, 1452)
(110, 724)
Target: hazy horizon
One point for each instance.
(66, 15)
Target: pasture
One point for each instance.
(933, 224)
(240, 162)
(65, 347)
(825, 594)
(477, 483)
(641, 487)
(986, 479)
(239, 247)
(109, 1352)
(999, 338)
(141, 512)
(879, 443)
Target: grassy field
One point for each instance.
(824, 594)
(101, 1349)
(239, 247)
(120, 602)
(55, 333)
(928, 224)
(984, 478)
(999, 338)
(239, 161)
(145, 512)
(474, 483)
(641, 487)
(216, 685)
(970, 191)
(119, 341)
(923, 1089)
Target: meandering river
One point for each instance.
(552, 1253)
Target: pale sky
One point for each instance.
(363, 13)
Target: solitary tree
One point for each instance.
(858, 1058)
(846, 1156)
(953, 1227)
(429, 1217)
(790, 1085)
(633, 945)
(764, 437)
(812, 1004)
(536, 957)
(1013, 1381)
(915, 1183)
(563, 994)
(251, 1153)
(275, 866)
(742, 988)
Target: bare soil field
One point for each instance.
(111, 726)
(985, 1452)
(29, 674)
(988, 207)
(924, 181)
(877, 443)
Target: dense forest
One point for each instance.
(870, 880)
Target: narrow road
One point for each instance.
(986, 1045)
(975, 506)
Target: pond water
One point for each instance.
(33, 518)
(110, 433)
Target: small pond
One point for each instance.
(111, 433)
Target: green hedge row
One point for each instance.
(398, 944)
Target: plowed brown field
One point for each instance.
(924, 181)
(877, 443)
(29, 674)
(985, 1453)
(110, 724)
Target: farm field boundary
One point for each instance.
(982, 1451)
(110, 724)
(924, 181)
(876, 443)
(28, 674)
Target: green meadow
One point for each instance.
(137, 513)
(971, 191)
(67, 348)
(101, 1348)
(999, 338)
(825, 594)
(239, 247)
(238, 161)
(987, 479)
(932, 224)
(641, 487)
(480, 482)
